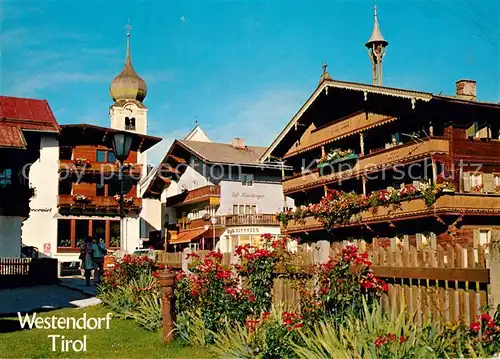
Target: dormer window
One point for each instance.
(130, 123)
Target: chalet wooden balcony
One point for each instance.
(97, 204)
(228, 220)
(259, 219)
(448, 203)
(210, 194)
(96, 168)
(369, 163)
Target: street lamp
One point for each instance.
(122, 142)
(213, 220)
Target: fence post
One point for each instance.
(167, 282)
(186, 260)
(494, 249)
(324, 251)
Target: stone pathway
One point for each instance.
(78, 283)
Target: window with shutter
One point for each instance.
(467, 182)
(489, 182)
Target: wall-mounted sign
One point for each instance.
(243, 230)
(256, 196)
(45, 210)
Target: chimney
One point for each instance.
(238, 143)
(466, 90)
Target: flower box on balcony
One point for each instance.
(81, 162)
(352, 156)
(81, 199)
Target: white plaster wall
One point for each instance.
(130, 234)
(191, 179)
(10, 236)
(40, 229)
(268, 197)
(151, 217)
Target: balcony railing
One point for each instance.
(448, 203)
(228, 220)
(205, 193)
(247, 219)
(97, 202)
(97, 168)
(372, 162)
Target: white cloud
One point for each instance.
(260, 119)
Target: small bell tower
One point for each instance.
(376, 49)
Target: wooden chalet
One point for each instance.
(88, 202)
(367, 138)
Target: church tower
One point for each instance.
(128, 91)
(376, 49)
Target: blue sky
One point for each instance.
(241, 68)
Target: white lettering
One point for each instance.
(26, 320)
(53, 337)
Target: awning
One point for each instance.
(187, 236)
(219, 231)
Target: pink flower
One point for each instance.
(476, 326)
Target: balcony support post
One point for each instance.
(362, 144)
(363, 181)
(434, 170)
(323, 153)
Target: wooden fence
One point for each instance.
(451, 281)
(17, 272)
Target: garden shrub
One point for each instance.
(131, 290)
(341, 286)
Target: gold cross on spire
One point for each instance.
(128, 27)
(324, 66)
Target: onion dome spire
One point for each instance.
(128, 85)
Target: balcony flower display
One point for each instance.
(81, 162)
(80, 198)
(339, 208)
(335, 156)
(478, 188)
(126, 200)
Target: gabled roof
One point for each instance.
(223, 152)
(197, 134)
(366, 89)
(24, 114)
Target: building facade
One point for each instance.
(376, 163)
(77, 177)
(28, 133)
(216, 195)
(80, 193)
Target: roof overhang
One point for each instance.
(413, 96)
(85, 134)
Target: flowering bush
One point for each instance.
(128, 268)
(337, 207)
(81, 162)
(126, 200)
(215, 289)
(486, 331)
(335, 154)
(342, 285)
(80, 198)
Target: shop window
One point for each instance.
(99, 229)
(476, 181)
(484, 237)
(496, 183)
(81, 232)
(64, 233)
(244, 209)
(65, 153)
(114, 234)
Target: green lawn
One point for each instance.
(124, 339)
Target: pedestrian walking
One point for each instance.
(98, 252)
(86, 258)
